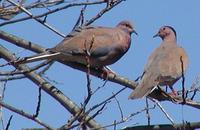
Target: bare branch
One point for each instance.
(119, 106)
(2, 94)
(80, 20)
(183, 81)
(9, 121)
(20, 42)
(147, 112)
(38, 104)
(38, 20)
(24, 114)
(54, 10)
(7, 78)
(102, 12)
(99, 87)
(163, 110)
(96, 113)
(16, 72)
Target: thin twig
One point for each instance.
(102, 12)
(119, 106)
(46, 68)
(194, 93)
(38, 104)
(115, 125)
(80, 18)
(163, 110)
(183, 81)
(9, 121)
(99, 87)
(97, 112)
(89, 90)
(3, 91)
(147, 112)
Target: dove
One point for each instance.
(103, 45)
(165, 65)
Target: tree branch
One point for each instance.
(37, 19)
(157, 94)
(53, 11)
(24, 114)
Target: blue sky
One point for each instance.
(147, 17)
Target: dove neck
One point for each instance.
(125, 29)
(170, 38)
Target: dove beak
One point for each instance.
(135, 32)
(156, 35)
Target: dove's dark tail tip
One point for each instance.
(138, 94)
(134, 96)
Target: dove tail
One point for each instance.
(145, 87)
(37, 57)
(140, 92)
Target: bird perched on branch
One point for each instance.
(103, 45)
(165, 65)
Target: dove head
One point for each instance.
(127, 26)
(166, 33)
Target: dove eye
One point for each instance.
(127, 25)
(164, 28)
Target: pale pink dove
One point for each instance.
(163, 67)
